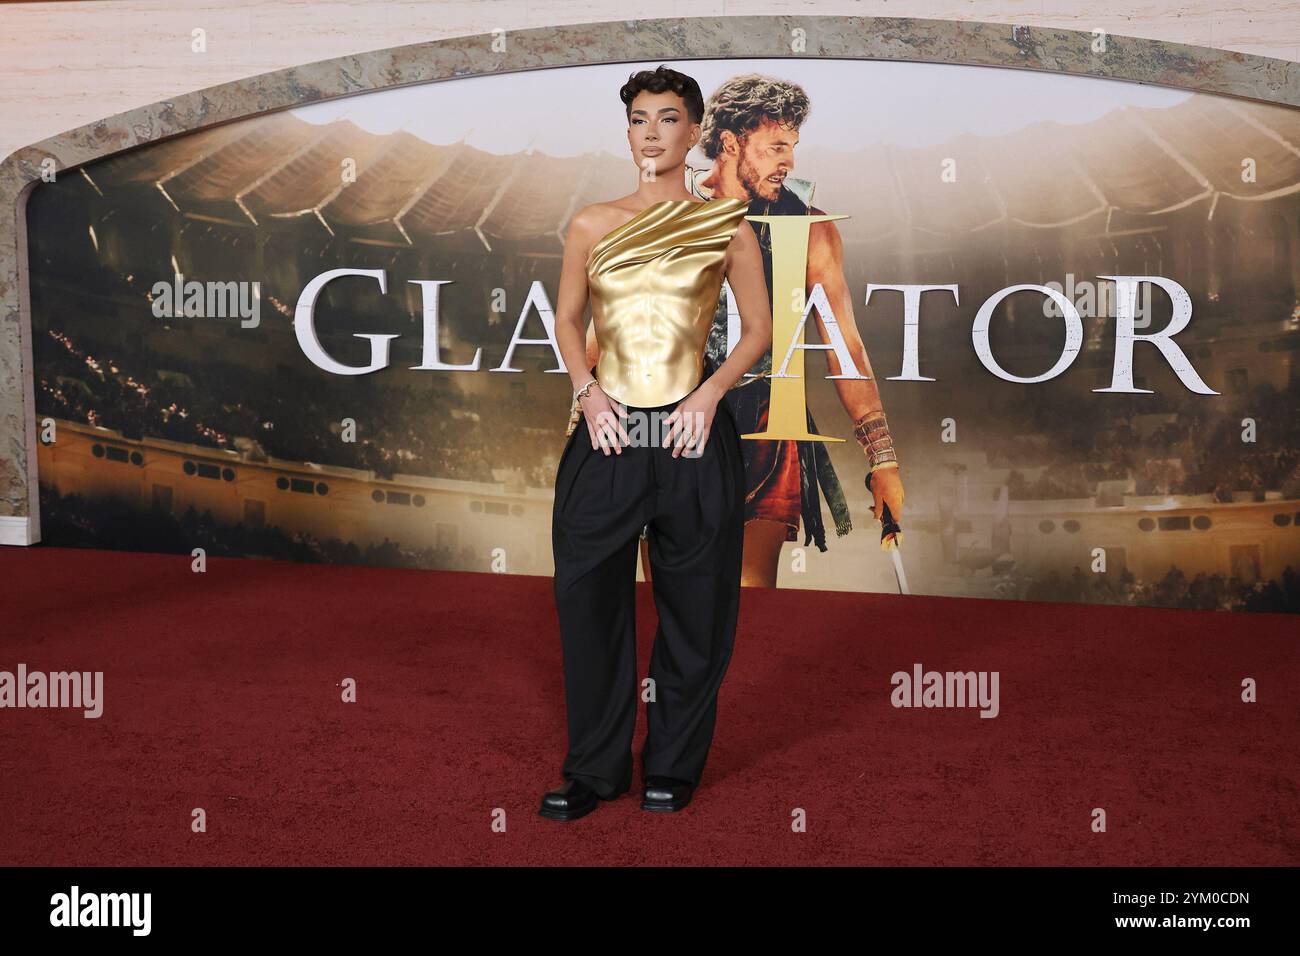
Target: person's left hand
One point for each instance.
(691, 422)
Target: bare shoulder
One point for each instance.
(744, 239)
(589, 219)
(596, 220)
(586, 226)
(824, 237)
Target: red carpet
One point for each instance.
(222, 691)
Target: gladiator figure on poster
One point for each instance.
(750, 131)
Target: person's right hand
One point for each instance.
(605, 421)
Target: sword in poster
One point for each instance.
(891, 536)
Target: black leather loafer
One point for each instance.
(666, 794)
(572, 800)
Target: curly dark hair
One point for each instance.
(664, 80)
(743, 102)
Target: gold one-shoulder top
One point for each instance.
(654, 284)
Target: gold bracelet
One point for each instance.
(574, 411)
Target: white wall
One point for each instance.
(63, 65)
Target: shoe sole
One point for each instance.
(566, 815)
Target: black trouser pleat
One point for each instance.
(694, 507)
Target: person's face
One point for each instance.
(660, 132)
(766, 156)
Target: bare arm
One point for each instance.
(691, 422)
(744, 273)
(826, 266)
(604, 427)
(859, 397)
(571, 303)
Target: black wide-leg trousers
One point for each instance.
(694, 508)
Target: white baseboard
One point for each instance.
(17, 530)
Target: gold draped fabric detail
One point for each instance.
(654, 284)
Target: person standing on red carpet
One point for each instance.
(660, 451)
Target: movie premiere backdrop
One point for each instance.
(326, 334)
